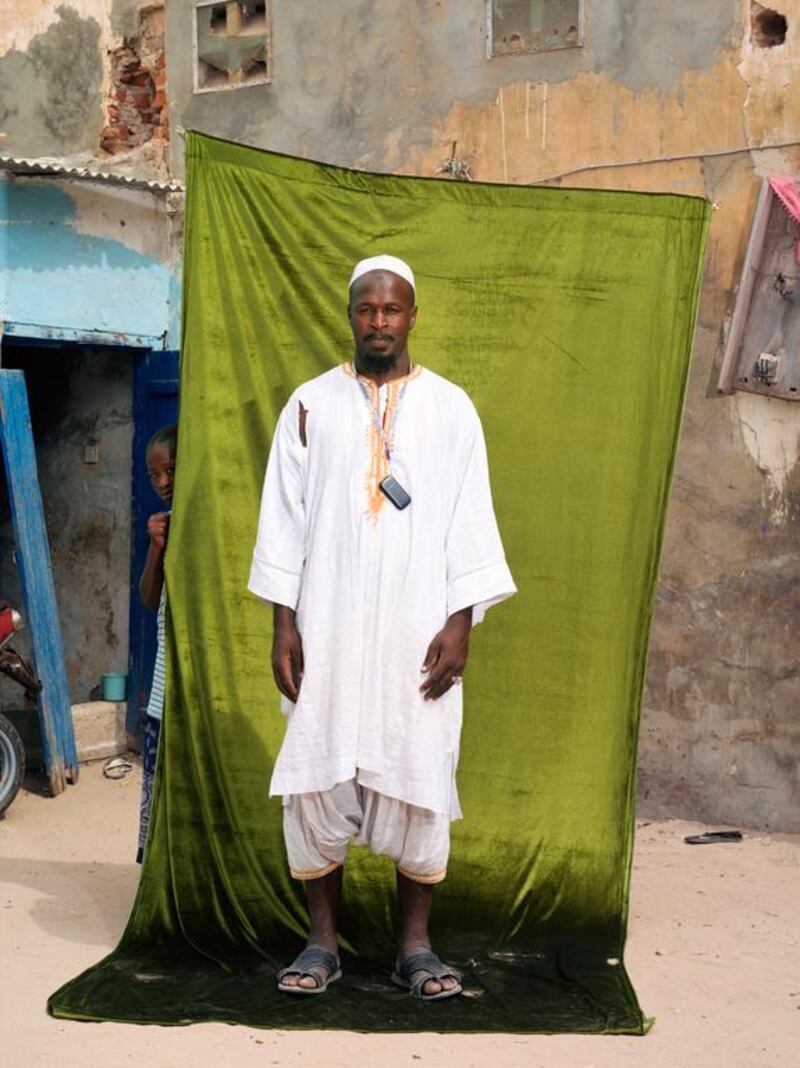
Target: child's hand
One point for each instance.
(158, 529)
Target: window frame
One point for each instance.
(196, 87)
(489, 24)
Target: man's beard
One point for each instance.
(377, 363)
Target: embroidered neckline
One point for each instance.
(415, 372)
(378, 467)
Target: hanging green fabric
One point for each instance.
(568, 316)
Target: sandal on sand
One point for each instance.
(710, 837)
(426, 966)
(314, 957)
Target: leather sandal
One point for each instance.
(426, 966)
(307, 965)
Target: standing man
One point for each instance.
(378, 547)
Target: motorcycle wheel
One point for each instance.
(12, 762)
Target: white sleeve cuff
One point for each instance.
(481, 588)
(274, 584)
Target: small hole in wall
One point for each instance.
(768, 27)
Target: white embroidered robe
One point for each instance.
(372, 585)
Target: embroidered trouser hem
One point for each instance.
(319, 827)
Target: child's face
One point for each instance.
(161, 469)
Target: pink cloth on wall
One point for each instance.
(788, 192)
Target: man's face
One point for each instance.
(382, 314)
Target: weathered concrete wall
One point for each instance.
(79, 398)
(51, 74)
(662, 97)
(370, 85)
(83, 81)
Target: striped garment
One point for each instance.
(152, 732)
(152, 728)
(155, 705)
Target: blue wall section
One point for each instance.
(96, 265)
(56, 276)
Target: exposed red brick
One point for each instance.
(141, 96)
(137, 108)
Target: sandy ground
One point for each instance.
(712, 951)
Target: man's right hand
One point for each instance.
(158, 528)
(287, 652)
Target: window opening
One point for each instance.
(232, 44)
(516, 26)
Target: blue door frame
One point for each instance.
(155, 404)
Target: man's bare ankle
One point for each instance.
(409, 946)
(323, 940)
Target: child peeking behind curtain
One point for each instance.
(160, 457)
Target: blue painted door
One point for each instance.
(155, 404)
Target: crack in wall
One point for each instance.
(772, 438)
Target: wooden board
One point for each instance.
(40, 610)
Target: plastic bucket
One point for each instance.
(114, 686)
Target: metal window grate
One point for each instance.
(231, 44)
(517, 26)
(762, 344)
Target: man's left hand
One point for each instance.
(447, 655)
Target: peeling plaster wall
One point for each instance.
(81, 257)
(375, 86)
(65, 69)
(23, 20)
(401, 72)
(51, 77)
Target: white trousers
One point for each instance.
(318, 828)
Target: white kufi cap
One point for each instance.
(384, 263)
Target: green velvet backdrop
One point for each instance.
(568, 316)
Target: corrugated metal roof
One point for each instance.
(85, 174)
